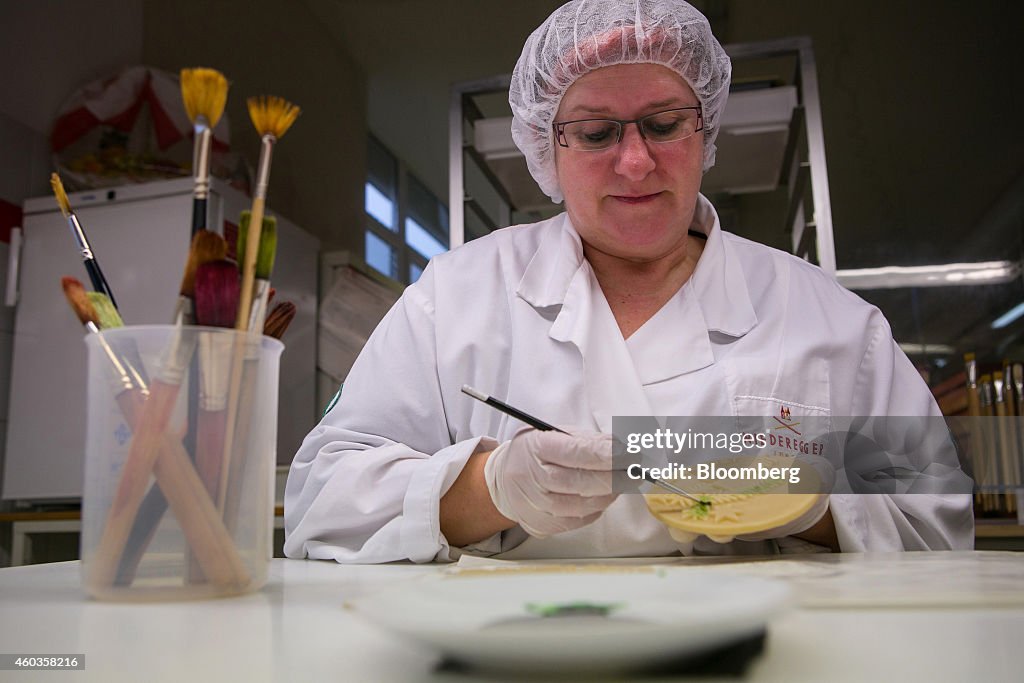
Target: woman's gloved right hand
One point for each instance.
(549, 482)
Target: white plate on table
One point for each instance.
(605, 618)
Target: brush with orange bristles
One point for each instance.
(207, 246)
(204, 92)
(92, 266)
(125, 384)
(199, 521)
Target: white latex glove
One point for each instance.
(798, 525)
(549, 482)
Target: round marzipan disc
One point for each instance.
(736, 507)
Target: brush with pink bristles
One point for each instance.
(216, 298)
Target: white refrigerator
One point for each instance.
(140, 237)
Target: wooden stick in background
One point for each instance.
(1016, 383)
(976, 438)
(988, 449)
(1006, 503)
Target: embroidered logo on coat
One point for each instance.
(786, 421)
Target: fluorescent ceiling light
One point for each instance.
(1008, 317)
(945, 275)
(922, 349)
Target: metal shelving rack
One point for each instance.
(803, 170)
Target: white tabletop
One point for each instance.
(915, 616)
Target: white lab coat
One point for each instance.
(519, 315)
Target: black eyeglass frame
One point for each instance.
(559, 128)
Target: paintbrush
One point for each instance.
(204, 92)
(545, 427)
(272, 117)
(264, 266)
(988, 447)
(152, 509)
(198, 519)
(1002, 455)
(1016, 380)
(206, 246)
(217, 292)
(280, 317)
(92, 266)
(107, 319)
(123, 382)
(245, 397)
(216, 295)
(977, 433)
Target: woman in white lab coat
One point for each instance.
(633, 302)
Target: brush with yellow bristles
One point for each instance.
(92, 266)
(204, 92)
(272, 117)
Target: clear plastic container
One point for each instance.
(178, 501)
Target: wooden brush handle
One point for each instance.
(209, 442)
(192, 507)
(131, 487)
(238, 353)
(235, 473)
(153, 450)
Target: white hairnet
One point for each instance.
(584, 35)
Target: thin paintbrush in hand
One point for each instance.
(92, 266)
(545, 427)
(204, 92)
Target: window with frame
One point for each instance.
(406, 225)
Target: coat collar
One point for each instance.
(717, 283)
(557, 261)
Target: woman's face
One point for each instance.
(635, 200)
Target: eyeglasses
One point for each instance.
(594, 135)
